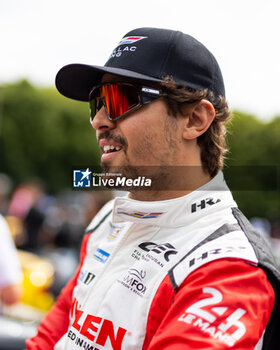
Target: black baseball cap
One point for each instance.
(148, 55)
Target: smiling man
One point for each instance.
(166, 143)
(177, 266)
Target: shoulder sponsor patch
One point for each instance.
(231, 245)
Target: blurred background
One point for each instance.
(43, 135)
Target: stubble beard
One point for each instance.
(161, 175)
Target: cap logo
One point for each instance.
(131, 40)
(126, 41)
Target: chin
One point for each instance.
(110, 168)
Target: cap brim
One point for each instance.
(76, 80)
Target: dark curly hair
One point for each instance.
(212, 142)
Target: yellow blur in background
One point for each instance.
(38, 276)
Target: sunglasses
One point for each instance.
(120, 99)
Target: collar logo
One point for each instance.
(140, 215)
(131, 40)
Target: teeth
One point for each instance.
(108, 148)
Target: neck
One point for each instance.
(181, 182)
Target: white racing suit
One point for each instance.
(185, 273)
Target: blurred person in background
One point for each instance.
(28, 204)
(5, 189)
(10, 271)
(165, 268)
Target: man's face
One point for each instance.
(148, 137)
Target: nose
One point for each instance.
(101, 122)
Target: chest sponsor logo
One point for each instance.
(88, 328)
(205, 203)
(86, 277)
(101, 255)
(158, 253)
(214, 319)
(134, 281)
(115, 230)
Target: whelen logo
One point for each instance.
(201, 316)
(131, 39)
(95, 329)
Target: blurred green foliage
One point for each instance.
(254, 152)
(44, 135)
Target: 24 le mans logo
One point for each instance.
(215, 319)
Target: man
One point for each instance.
(176, 266)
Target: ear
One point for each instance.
(199, 119)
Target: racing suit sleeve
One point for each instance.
(225, 304)
(56, 322)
